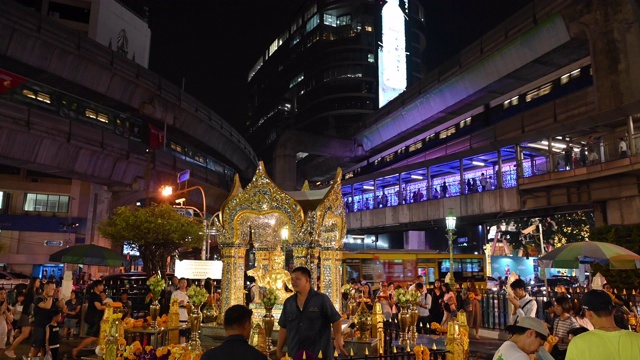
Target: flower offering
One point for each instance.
(270, 298)
(197, 295)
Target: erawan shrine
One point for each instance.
(303, 228)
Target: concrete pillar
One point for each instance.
(376, 204)
(429, 184)
(612, 31)
(519, 162)
(632, 140)
(284, 169)
(499, 182)
(551, 166)
(400, 192)
(462, 184)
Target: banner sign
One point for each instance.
(199, 269)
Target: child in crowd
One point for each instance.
(17, 312)
(52, 335)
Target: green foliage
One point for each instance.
(557, 230)
(627, 236)
(157, 231)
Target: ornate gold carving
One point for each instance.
(275, 276)
(257, 214)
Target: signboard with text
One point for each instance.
(184, 176)
(199, 269)
(53, 243)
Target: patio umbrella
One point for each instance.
(570, 256)
(88, 255)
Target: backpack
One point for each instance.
(32, 311)
(248, 296)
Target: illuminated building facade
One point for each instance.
(336, 63)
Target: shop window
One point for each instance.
(330, 20)
(343, 20)
(46, 202)
(312, 23)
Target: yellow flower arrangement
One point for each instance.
(197, 295)
(270, 298)
(404, 297)
(413, 296)
(156, 285)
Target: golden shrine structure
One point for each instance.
(310, 223)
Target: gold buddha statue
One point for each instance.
(276, 277)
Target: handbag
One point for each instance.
(446, 307)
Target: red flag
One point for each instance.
(156, 137)
(9, 81)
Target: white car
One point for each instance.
(10, 279)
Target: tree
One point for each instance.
(557, 230)
(157, 232)
(627, 236)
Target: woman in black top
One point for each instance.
(72, 314)
(25, 325)
(436, 311)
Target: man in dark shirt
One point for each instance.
(43, 311)
(237, 325)
(307, 319)
(93, 315)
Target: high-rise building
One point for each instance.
(110, 23)
(315, 84)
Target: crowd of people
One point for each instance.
(569, 328)
(439, 303)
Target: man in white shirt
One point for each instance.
(419, 280)
(528, 335)
(523, 304)
(183, 299)
(423, 304)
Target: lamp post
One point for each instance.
(451, 227)
(168, 190)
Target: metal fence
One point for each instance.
(496, 312)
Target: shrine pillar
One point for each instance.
(331, 274)
(314, 257)
(232, 276)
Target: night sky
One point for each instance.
(213, 44)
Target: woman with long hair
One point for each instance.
(437, 294)
(449, 304)
(474, 317)
(25, 324)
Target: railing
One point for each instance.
(605, 149)
(496, 311)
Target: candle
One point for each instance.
(304, 355)
(434, 346)
(394, 349)
(351, 352)
(335, 353)
(320, 355)
(366, 350)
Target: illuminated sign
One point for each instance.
(392, 58)
(199, 269)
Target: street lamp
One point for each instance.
(451, 227)
(168, 190)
